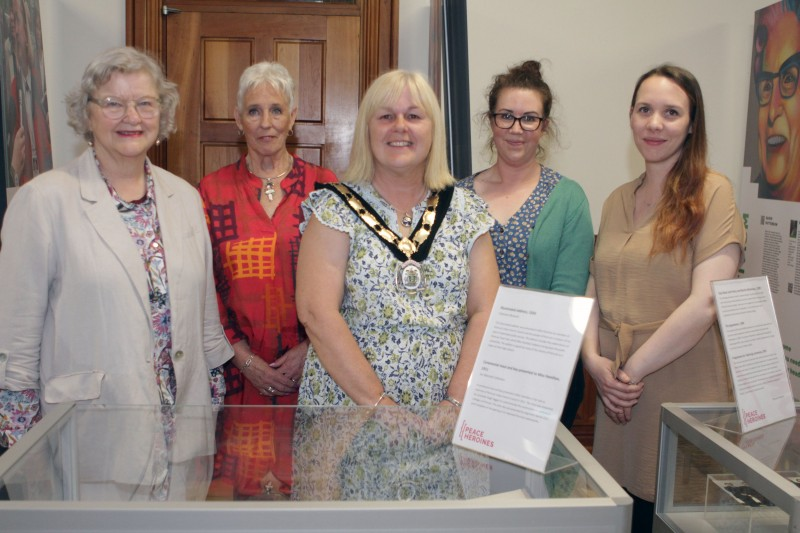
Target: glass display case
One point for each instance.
(97, 468)
(713, 477)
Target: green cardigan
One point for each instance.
(559, 248)
(562, 241)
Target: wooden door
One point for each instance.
(332, 50)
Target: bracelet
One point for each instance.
(453, 401)
(247, 363)
(381, 397)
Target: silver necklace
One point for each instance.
(408, 217)
(269, 185)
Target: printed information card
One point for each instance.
(755, 352)
(522, 374)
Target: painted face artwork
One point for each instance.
(779, 109)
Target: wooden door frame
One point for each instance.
(145, 28)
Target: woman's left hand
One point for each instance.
(290, 364)
(441, 422)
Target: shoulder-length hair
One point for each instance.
(124, 60)
(386, 90)
(682, 211)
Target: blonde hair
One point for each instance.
(386, 89)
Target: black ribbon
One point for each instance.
(424, 248)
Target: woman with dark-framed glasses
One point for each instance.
(108, 290)
(776, 66)
(542, 232)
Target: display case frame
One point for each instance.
(510, 511)
(694, 427)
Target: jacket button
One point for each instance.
(3, 357)
(178, 354)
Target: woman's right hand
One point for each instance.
(269, 381)
(618, 397)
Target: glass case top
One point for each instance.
(777, 446)
(98, 453)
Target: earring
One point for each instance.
(240, 131)
(291, 132)
(158, 141)
(90, 140)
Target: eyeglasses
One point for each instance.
(526, 122)
(787, 80)
(114, 108)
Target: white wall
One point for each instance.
(73, 32)
(593, 52)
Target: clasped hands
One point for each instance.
(281, 377)
(617, 390)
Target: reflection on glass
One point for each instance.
(339, 453)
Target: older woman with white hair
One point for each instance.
(253, 210)
(106, 272)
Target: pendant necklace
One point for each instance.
(269, 186)
(408, 217)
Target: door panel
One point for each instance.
(206, 54)
(332, 49)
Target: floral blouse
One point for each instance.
(511, 240)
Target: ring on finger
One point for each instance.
(270, 390)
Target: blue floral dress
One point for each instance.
(412, 341)
(511, 241)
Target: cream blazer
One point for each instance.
(74, 306)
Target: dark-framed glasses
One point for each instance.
(114, 108)
(526, 122)
(787, 80)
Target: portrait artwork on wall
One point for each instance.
(774, 114)
(25, 122)
(769, 197)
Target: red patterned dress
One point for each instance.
(255, 259)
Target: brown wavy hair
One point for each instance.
(682, 211)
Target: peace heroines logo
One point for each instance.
(467, 432)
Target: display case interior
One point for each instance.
(712, 477)
(345, 463)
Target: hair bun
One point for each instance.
(530, 66)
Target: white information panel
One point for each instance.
(522, 375)
(755, 352)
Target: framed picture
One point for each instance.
(25, 122)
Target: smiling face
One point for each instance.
(515, 145)
(660, 121)
(266, 119)
(400, 137)
(779, 118)
(131, 136)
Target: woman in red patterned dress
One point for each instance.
(253, 212)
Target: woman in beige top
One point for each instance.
(663, 238)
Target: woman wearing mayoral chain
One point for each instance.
(396, 275)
